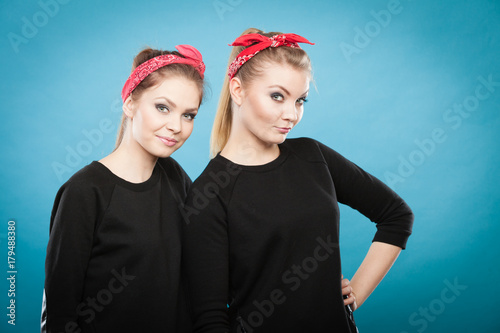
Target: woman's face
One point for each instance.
(161, 119)
(272, 104)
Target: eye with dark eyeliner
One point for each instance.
(302, 100)
(190, 116)
(277, 97)
(162, 108)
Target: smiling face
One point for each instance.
(161, 119)
(269, 106)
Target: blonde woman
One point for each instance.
(113, 258)
(262, 232)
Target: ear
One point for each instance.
(128, 107)
(236, 90)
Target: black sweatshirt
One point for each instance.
(261, 243)
(113, 258)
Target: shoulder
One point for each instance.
(170, 165)
(84, 189)
(309, 149)
(217, 179)
(211, 191)
(173, 169)
(300, 143)
(215, 164)
(89, 177)
(175, 173)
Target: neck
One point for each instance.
(246, 149)
(130, 161)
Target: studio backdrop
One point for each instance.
(407, 89)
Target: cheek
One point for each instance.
(266, 110)
(146, 123)
(299, 116)
(153, 121)
(187, 129)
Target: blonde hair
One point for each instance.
(182, 70)
(294, 57)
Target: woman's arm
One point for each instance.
(361, 191)
(378, 261)
(68, 251)
(394, 220)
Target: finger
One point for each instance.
(347, 290)
(349, 300)
(346, 287)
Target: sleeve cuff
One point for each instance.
(397, 239)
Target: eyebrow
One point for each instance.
(174, 105)
(284, 89)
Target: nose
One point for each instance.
(290, 113)
(174, 124)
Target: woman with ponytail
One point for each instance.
(261, 242)
(113, 258)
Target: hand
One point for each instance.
(347, 291)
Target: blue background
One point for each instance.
(384, 85)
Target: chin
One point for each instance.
(163, 153)
(279, 140)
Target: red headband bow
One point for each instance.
(262, 42)
(191, 55)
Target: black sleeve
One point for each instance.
(206, 258)
(372, 198)
(68, 252)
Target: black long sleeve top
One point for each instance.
(113, 257)
(261, 243)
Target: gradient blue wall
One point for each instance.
(409, 90)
